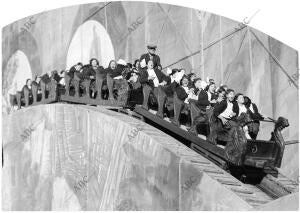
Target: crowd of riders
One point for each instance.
(225, 107)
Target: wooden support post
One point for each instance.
(67, 83)
(43, 88)
(76, 82)
(161, 99)
(98, 85)
(12, 100)
(146, 93)
(178, 104)
(26, 96)
(86, 83)
(52, 90)
(194, 111)
(18, 96)
(123, 93)
(34, 90)
(110, 85)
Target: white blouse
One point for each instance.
(242, 108)
(228, 111)
(186, 89)
(251, 108)
(152, 74)
(209, 96)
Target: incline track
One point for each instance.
(272, 186)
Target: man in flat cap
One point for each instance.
(151, 56)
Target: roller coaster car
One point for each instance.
(239, 152)
(261, 153)
(43, 93)
(77, 89)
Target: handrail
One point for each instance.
(291, 142)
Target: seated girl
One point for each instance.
(198, 105)
(239, 108)
(135, 94)
(255, 116)
(211, 93)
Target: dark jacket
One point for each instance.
(102, 71)
(89, 71)
(72, 71)
(114, 73)
(219, 108)
(255, 115)
(81, 75)
(156, 59)
(202, 101)
(175, 87)
(45, 78)
(191, 85)
(56, 77)
(181, 94)
(160, 75)
(236, 108)
(214, 96)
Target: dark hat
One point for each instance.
(151, 46)
(129, 74)
(174, 71)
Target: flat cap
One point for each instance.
(151, 46)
